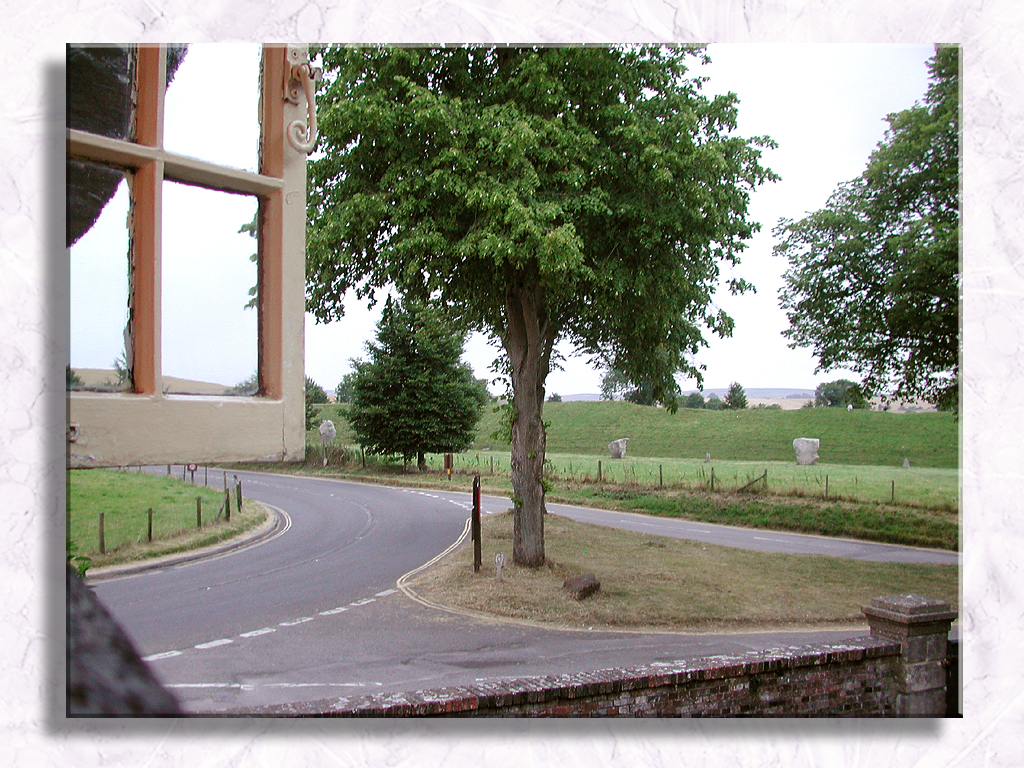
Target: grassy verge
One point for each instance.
(868, 522)
(125, 497)
(650, 582)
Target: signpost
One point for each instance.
(477, 556)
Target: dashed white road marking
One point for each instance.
(268, 630)
(258, 632)
(158, 656)
(214, 643)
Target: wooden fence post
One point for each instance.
(103, 544)
(149, 525)
(238, 493)
(199, 512)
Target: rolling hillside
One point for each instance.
(847, 437)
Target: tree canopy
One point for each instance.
(315, 395)
(580, 194)
(839, 393)
(413, 395)
(873, 283)
(615, 384)
(735, 397)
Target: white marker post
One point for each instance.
(499, 561)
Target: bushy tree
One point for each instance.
(615, 384)
(315, 395)
(248, 386)
(694, 400)
(839, 394)
(735, 397)
(413, 395)
(873, 283)
(343, 391)
(579, 194)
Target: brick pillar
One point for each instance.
(921, 625)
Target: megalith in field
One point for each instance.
(617, 448)
(806, 450)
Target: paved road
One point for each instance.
(313, 612)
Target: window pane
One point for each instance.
(209, 339)
(212, 105)
(100, 90)
(98, 253)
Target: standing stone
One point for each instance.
(617, 448)
(707, 458)
(327, 432)
(806, 450)
(906, 463)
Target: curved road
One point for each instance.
(313, 612)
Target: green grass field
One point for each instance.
(861, 454)
(865, 438)
(123, 497)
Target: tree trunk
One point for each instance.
(528, 341)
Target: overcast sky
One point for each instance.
(825, 106)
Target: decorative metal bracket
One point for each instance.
(301, 77)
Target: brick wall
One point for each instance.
(854, 679)
(906, 667)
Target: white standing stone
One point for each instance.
(327, 432)
(617, 448)
(806, 450)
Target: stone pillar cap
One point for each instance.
(909, 609)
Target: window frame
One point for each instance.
(145, 425)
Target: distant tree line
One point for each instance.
(615, 385)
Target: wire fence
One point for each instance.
(932, 488)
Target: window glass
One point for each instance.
(209, 338)
(212, 105)
(98, 242)
(100, 90)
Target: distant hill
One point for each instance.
(99, 377)
(773, 393)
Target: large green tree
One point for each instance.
(873, 283)
(413, 395)
(839, 393)
(578, 194)
(615, 384)
(735, 397)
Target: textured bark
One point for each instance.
(528, 341)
